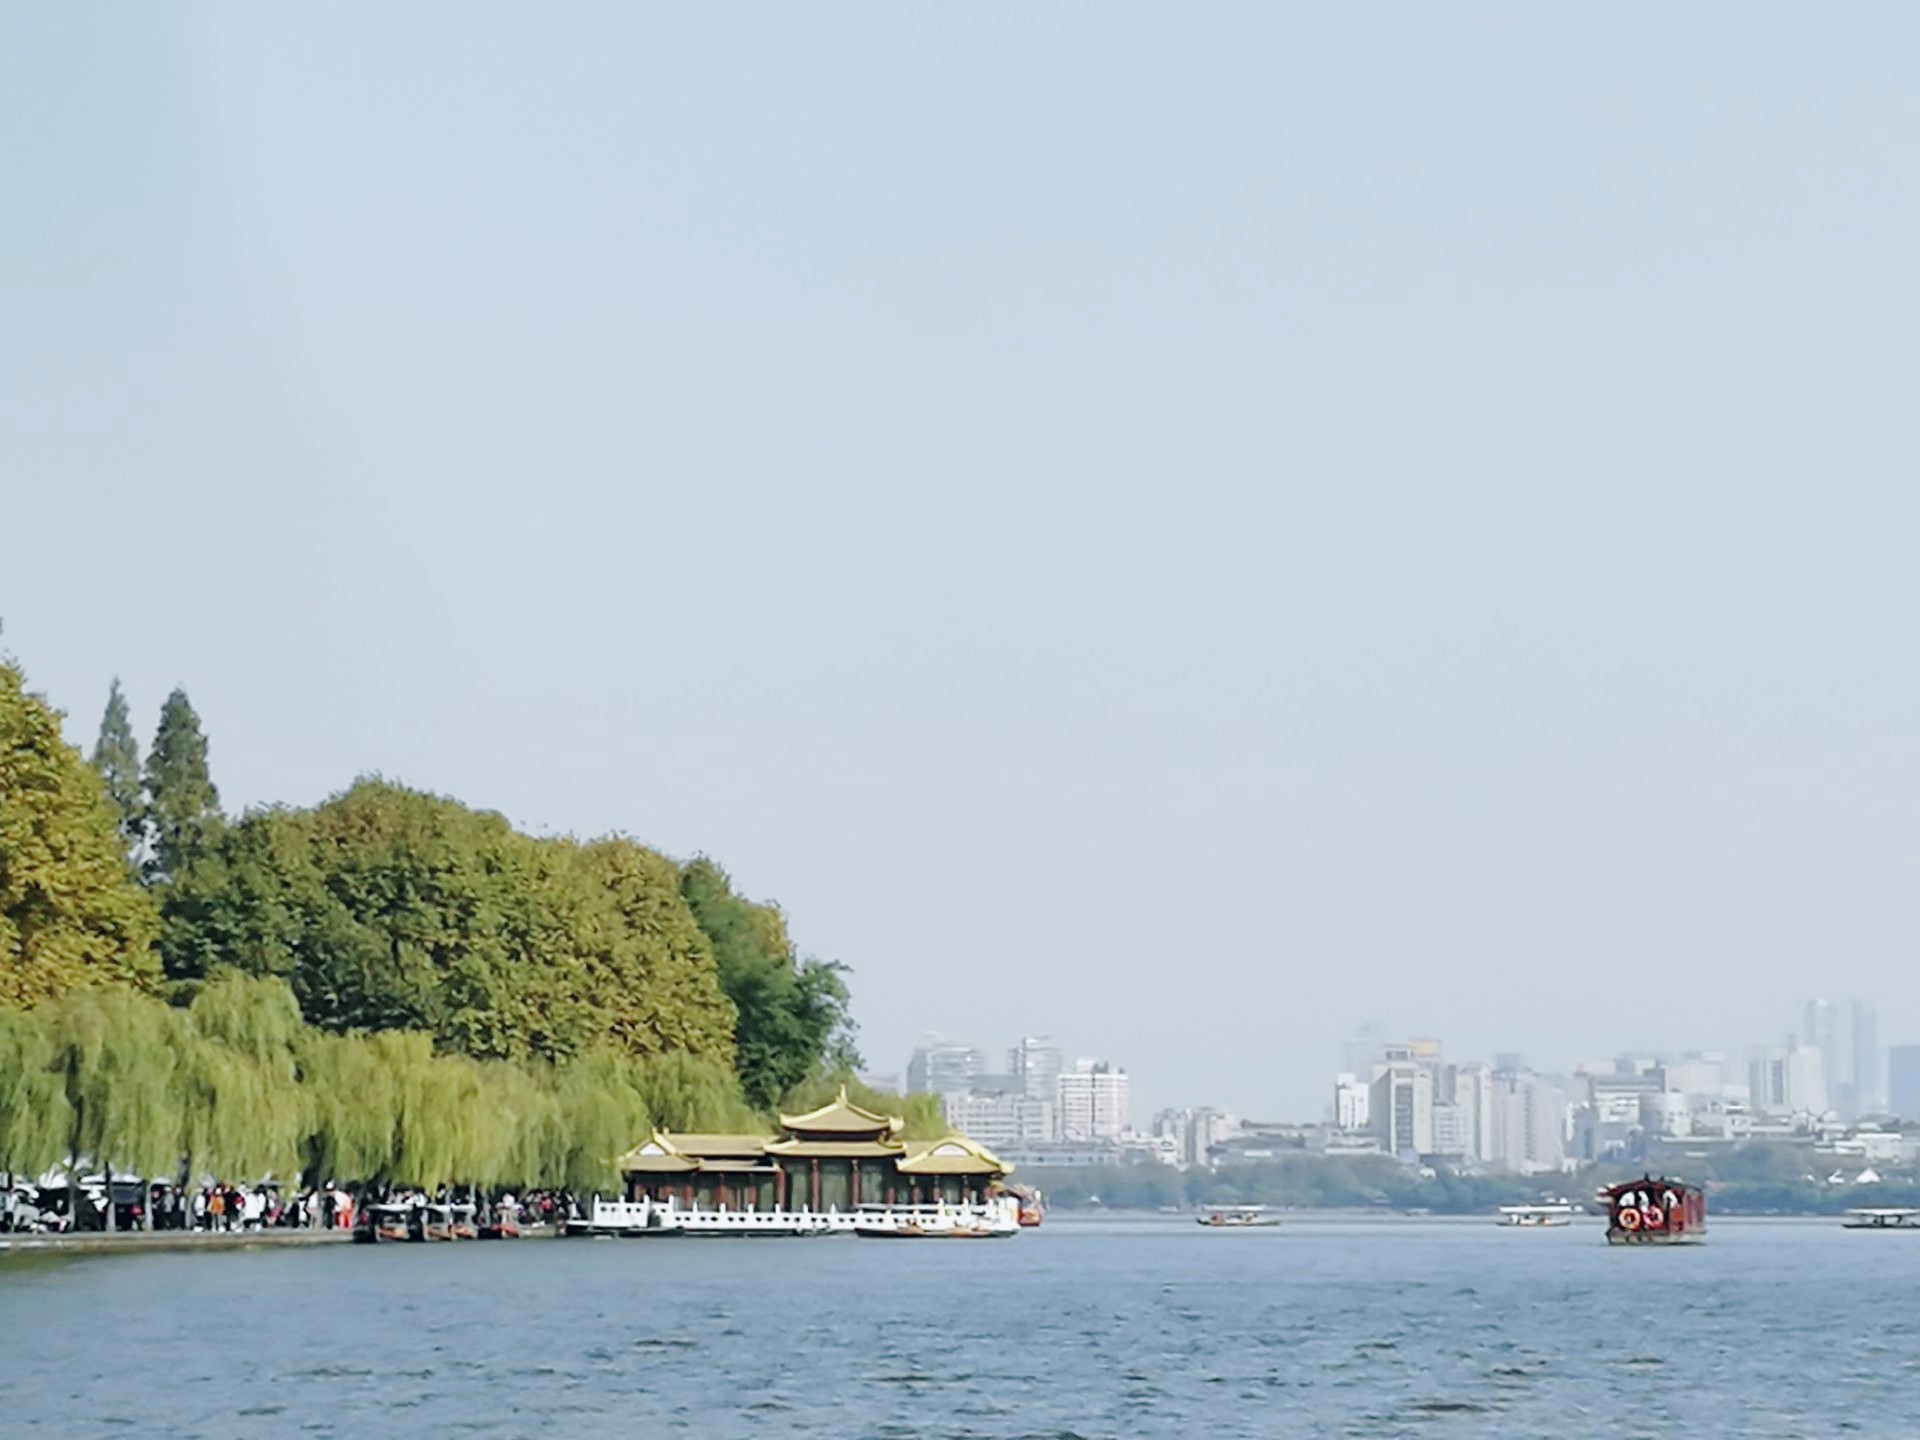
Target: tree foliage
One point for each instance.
(69, 914)
(792, 1020)
(386, 908)
(182, 805)
(116, 759)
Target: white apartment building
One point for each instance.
(1000, 1122)
(1093, 1102)
(1350, 1102)
(1788, 1080)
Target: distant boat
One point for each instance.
(1237, 1217)
(1536, 1217)
(1882, 1219)
(1655, 1212)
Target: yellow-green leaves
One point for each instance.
(70, 915)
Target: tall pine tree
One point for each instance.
(183, 808)
(116, 755)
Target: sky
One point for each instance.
(1180, 530)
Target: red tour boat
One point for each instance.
(1655, 1212)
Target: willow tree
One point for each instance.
(602, 1116)
(119, 1055)
(352, 1106)
(69, 913)
(245, 1112)
(35, 1121)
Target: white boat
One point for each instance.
(1536, 1217)
(993, 1221)
(1882, 1219)
(1237, 1217)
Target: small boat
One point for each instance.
(1882, 1219)
(936, 1222)
(1237, 1217)
(1655, 1212)
(1535, 1217)
(384, 1224)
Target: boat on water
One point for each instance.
(1535, 1217)
(415, 1221)
(1886, 1218)
(1237, 1217)
(1655, 1212)
(936, 1222)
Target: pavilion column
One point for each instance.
(686, 1194)
(813, 1183)
(854, 1202)
(779, 1186)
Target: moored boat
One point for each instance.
(1237, 1217)
(1883, 1218)
(1655, 1212)
(1535, 1217)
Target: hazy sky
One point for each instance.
(1181, 529)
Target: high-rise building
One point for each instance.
(1869, 1060)
(1826, 1034)
(1000, 1121)
(1788, 1080)
(1471, 1089)
(1350, 1097)
(1903, 1081)
(943, 1067)
(1529, 1121)
(1400, 1107)
(1192, 1132)
(1036, 1064)
(1093, 1101)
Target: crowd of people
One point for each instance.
(226, 1208)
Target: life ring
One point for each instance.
(1655, 1217)
(1629, 1219)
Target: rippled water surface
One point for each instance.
(1085, 1328)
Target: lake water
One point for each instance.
(1139, 1328)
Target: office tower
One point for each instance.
(1093, 1101)
(1869, 1061)
(1825, 1034)
(1036, 1064)
(1472, 1091)
(943, 1067)
(1529, 1121)
(1788, 1080)
(1350, 1102)
(1401, 1107)
(1903, 1081)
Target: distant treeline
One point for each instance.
(1758, 1179)
(388, 984)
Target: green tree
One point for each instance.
(118, 1055)
(116, 758)
(34, 1119)
(244, 1112)
(791, 1015)
(69, 914)
(183, 807)
(388, 909)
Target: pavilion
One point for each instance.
(838, 1157)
